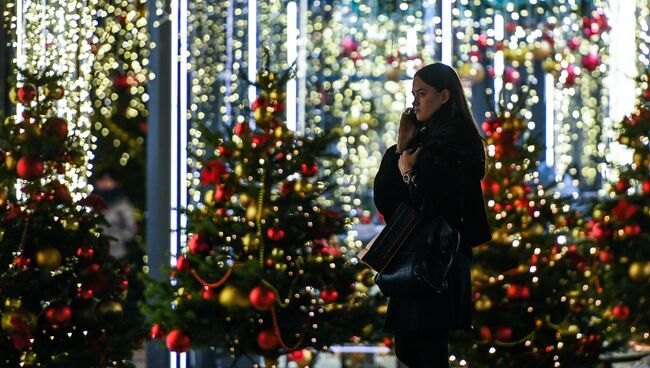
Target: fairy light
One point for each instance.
(447, 40)
(252, 47)
(499, 64)
(549, 106)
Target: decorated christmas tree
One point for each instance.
(62, 294)
(618, 235)
(527, 281)
(264, 271)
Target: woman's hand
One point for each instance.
(406, 130)
(407, 160)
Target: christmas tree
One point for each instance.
(62, 294)
(618, 234)
(527, 281)
(264, 267)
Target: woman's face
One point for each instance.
(427, 99)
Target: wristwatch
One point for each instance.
(408, 176)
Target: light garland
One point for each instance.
(61, 30)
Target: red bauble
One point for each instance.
(295, 355)
(242, 129)
(511, 75)
(329, 296)
(26, 93)
(307, 170)
(156, 332)
(286, 188)
(621, 312)
(197, 244)
(503, 333)
(58, 315)
(645, 186)
(29, 168)
(591, 61)
(483, 41)
(573, 43)
(275, 233)
(606, 256)
(222, 193)
(207, 294)
(349, 45)
(622, 185)
(182, 263)
(569, 74)
(632, 230)
(57, 127)
(262, 298)
(85, 253)
(223, 151)
(178, 341)
(267, 340)
(84, 293)
(388, 342)
(486, 333)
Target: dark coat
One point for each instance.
(449, 176)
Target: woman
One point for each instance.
(439, 158)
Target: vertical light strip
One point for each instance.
(230, 29)
(447, 37)
(183, 360)
(411, 42)
(302, 66)
(20, 57)
(183, 111)
(292, 55)
(173, 151)
(499, 62)
(252, 48)
(549, 104)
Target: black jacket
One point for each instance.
(448, 178)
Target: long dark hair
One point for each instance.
(455, 111)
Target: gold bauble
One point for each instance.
(110, 306)
(543, 49)
(366, 277)
(551, 66)
(483, 303)
(209, 196)
(30, 318)
(303, 186)
(244, 199)
(239, 169)
(251, 212)
(231, 296)
(306, 359)
(48, 257)
(28, 358)
(368, 329)
(250, 240)
(3, 195)
(636, 271)
(10, 161)
(646, 270)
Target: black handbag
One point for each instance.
(412, 255)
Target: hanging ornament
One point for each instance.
(58, 315)
(301, 357)
(177, 341)
(349, 45)
(110, 306)
(486, 333)
(511, 75)
(329, 295)
(645, 186)
(56, 127)
(156, 332)
(621, 312)
(636, 271)
(308, 170)
(262, 298)
(54, 91)
(569, 75)
(198, 244)
(251, 212)
(573, 43)
(542, 50)
(591, 61)
(29, 168)
(606, 256)
(182, 263)
(26, 94)
(48, 257)
(207, 293)
(275, 233)
(503, 333)
(483, 303)
(242, 129)
(231, 296)
(267, 340)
